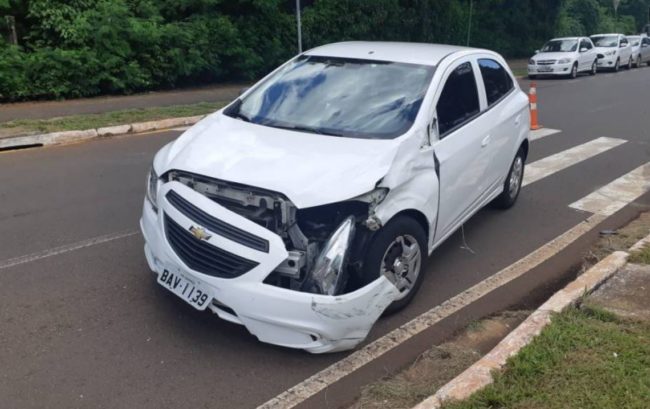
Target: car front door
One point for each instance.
(625, 50)
(645, 49)
(463, 134)
(586, 55)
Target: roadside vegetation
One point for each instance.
(641, 256)
(52, 49)
(586, 358)
(91, 121)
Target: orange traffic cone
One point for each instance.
(532, 97)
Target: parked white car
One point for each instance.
(640, 46)
(615, 49)
(307, 207)
(566, 56)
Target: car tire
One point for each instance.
(574, 71)
(512, 184)
(617, 66)
(532, 77)
(387, 246)
(638, 62)
(629, 64)
(594, 68)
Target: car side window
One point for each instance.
(586, 44)
(459, 99)
(497, 81)
(623, 41)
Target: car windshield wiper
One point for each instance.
(305, 128)
(235, 111)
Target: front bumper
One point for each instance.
(316, 323)
(607, 62)
(551, 69)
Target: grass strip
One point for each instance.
(91, 121)
(586, 358)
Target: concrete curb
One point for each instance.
(59, 138)
(479, 375)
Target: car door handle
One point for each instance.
(485, 141)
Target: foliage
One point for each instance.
(74, 48)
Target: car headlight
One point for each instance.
(564, 61)
(531, 62)
(610, 53)
(152, 189)
(327, 274)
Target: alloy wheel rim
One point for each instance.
(401, 264)
(514, 183)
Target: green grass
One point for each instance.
(641, 256)
(91, 121)
(586, 358)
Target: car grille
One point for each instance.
(203, 257)
(546, 62)
(215, 225)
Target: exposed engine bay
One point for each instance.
(325, 243)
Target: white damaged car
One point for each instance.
(307, 208)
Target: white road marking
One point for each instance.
(65, 249)
(540, 133)
(562, 160)
(335, 372)
(613, 197)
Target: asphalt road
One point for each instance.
(89, 327)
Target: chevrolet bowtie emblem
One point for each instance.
(200, 233)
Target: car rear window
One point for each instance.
(496, 79)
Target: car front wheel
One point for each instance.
(512, 185)
(594, 68)
(398, 252)
(574, 71)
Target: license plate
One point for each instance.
(545, 69)
(190, 290)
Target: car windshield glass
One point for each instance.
(338, 96)
(605, 41)
(560, 46)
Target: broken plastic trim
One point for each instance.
(327, 276)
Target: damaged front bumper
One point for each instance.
(280, 316)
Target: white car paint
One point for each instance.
(315, 170)
(640, 46)
(616, 56)
(583, 56)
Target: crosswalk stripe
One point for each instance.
(613, 197)
(540, 133)
(562, 160)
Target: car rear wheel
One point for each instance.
(398, 252)
(512, 185)
(638, 62)
(629, 64)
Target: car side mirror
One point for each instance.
(583, 50)
(623, 46)
(243, 91)
(536, 51)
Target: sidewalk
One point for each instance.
(52, 109)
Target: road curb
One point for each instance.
(60, 138)
(479, 375)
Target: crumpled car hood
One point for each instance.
(310, 169)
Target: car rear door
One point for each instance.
(505, 118)
(645, 49)
(463, 134)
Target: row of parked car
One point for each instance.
(570, 56)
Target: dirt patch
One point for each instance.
(626, 294)
(621, 239)
(438, 365)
